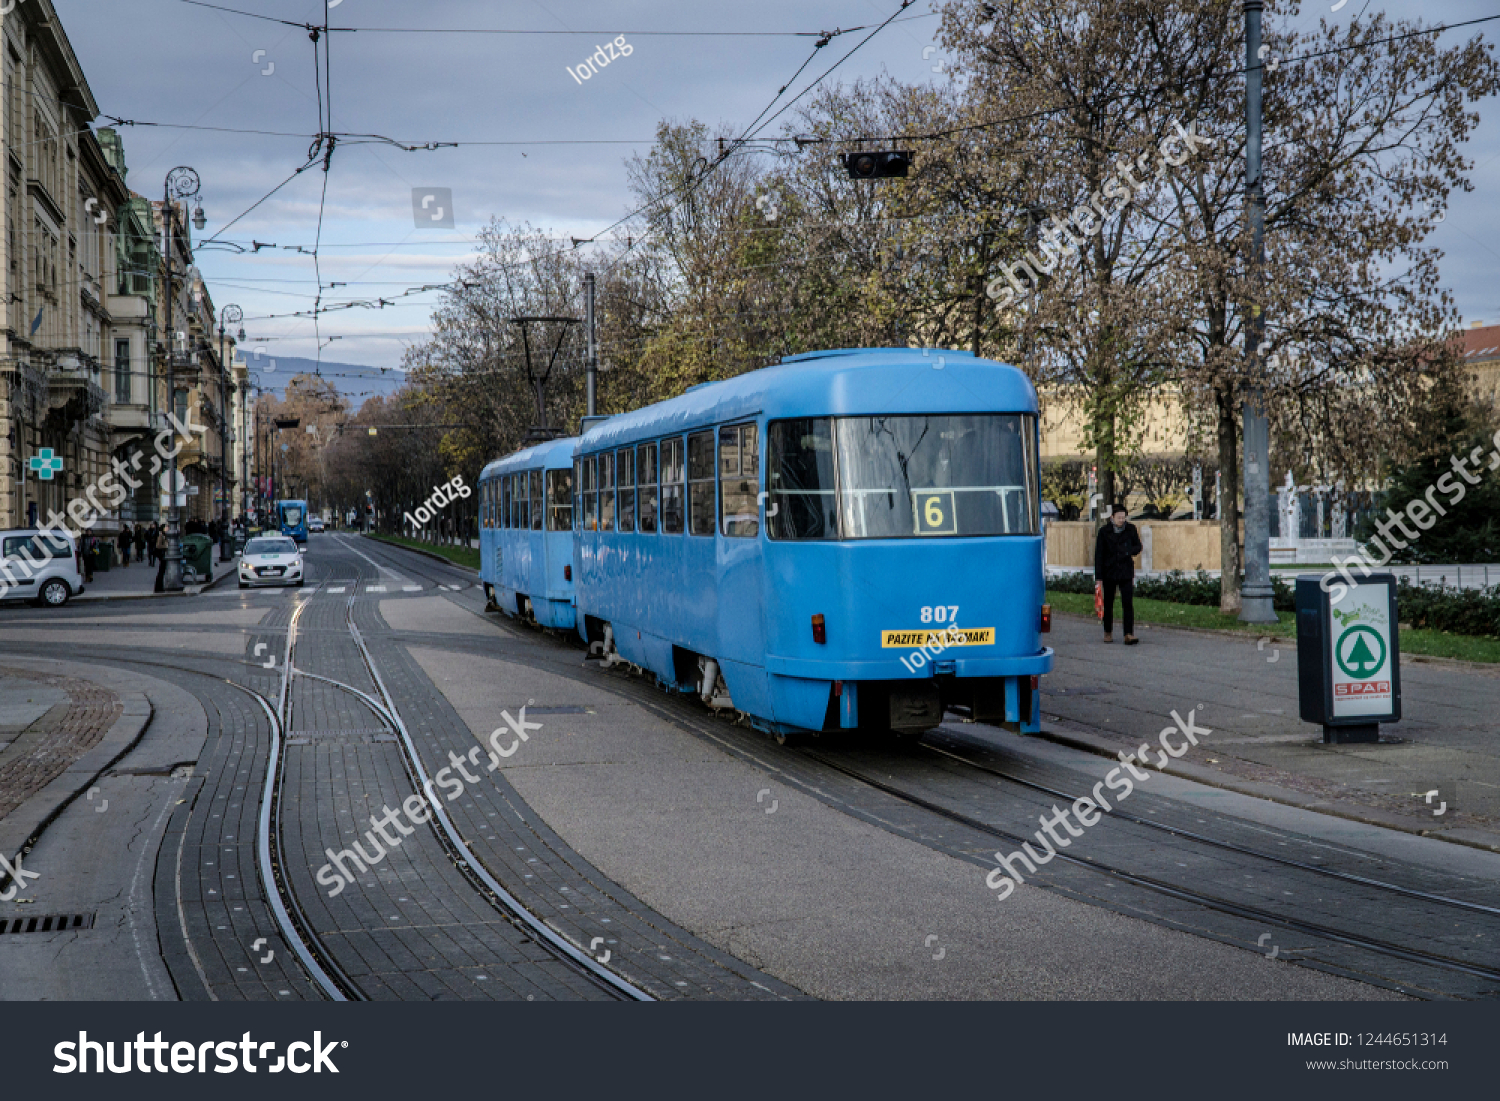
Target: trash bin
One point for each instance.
(198, 556)
(104, 555)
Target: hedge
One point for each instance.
(1458, 611)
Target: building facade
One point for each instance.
(83, 363)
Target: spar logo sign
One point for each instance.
(1360, 651)
(1361, 642)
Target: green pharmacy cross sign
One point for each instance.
(1353, 651)
(45, 464)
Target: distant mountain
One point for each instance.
(354, 381)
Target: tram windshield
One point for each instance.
(895, 477)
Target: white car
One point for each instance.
(271, 560)
(44, 570)
(314, 523)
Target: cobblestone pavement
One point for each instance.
(36, 753)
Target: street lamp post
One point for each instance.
(229, 315)
(181, 183)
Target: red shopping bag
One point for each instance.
(1098, 600)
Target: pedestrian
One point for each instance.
(140, 543)
(151, 542)
(161, 559)
(124, 540)
(90, 551)
(1117, 544)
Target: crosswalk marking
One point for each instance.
(337, 589)
(374, 588)
(411, 588)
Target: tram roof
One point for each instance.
(844, 382)
(553, 454)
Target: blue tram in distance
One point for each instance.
(850, 540)
(291, 518)
(526, 533)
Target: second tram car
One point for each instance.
(849, 540)
(526, 533)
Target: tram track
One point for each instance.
(687, 714)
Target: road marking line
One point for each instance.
(374, 588)
(411, 588)
(337, 589)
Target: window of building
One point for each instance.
(122, 371)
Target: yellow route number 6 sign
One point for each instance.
(935, 512)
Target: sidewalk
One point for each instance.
(139, 579)
(1113, 698)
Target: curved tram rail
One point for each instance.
(385, 709)
(1209, 902)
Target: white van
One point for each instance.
(42, 569)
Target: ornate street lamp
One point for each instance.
(181, 183)
(229, 315)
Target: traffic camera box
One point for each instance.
(1348, 655)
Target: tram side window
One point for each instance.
(590, 521)
(577, 493)
(739, 480)
(523, 501)
(671, 486)
(502, 487)
(607, 491)
(559, 500)
(701, 483)
(537, 505)
(646, 475)
(803, 501)
(625, 466)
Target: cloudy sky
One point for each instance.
(546, 148)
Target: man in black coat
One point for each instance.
(1117, 544)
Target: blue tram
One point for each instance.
(849, 540)
(526, 533)
(291, 518)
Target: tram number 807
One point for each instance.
(940, 613)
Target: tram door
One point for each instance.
(741, 612)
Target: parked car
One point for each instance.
(271, 560)
(43, 569)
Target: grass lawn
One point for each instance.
(463, 556)
(1206, 617)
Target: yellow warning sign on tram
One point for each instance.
(942, 637)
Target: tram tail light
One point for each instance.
(567, 573)
(1036, 682)
(820, 633)
(1046, 618)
